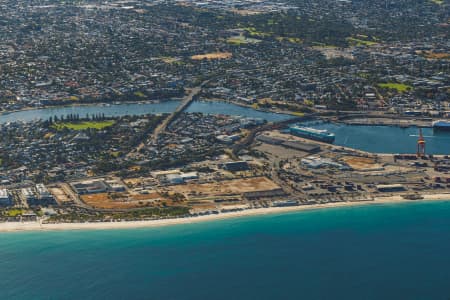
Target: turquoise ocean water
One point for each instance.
(379, 252)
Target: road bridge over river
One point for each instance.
(187, 100)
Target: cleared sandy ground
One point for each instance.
(214, 55)
(122, 201)
(361, 163)
(227, 187)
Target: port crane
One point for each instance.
(420, 145)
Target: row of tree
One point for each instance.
(76, 118)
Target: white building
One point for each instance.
(181, 177)
(315, 162)
(174, 179)
(28, 194)
(189, 175)
(43, 192)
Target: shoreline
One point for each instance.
(279, 112)
(38, 226)
(87, 104)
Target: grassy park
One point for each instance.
(14, 212)
(399, 87)
(83, 125)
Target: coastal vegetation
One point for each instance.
(137, 214)
(14, 212)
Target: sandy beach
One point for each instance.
(38, 226)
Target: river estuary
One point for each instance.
(380, 139)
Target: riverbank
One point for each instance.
(264, 110)
(388, 121)
(154, 101)
(86, 104)
(38, 226)
(139, 108)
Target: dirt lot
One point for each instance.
(215, 55)
(150, 196)
(226, 187)
(120, 201)
(434, 55)
(133, 181)
(59, 195)
(361, 163)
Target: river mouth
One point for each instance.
(370, 138)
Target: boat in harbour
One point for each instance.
(320, 135)
(443, 125)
